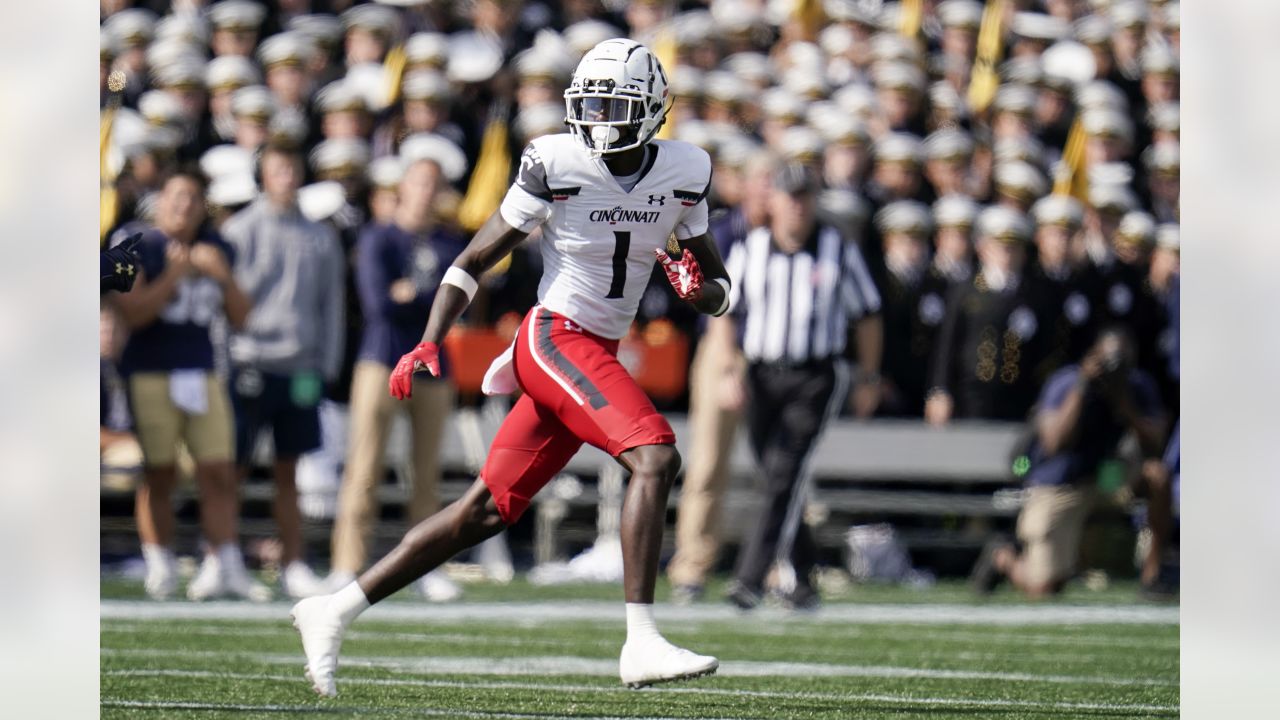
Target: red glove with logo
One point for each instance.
(426, 356)
(685, 275)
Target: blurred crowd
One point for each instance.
(1020, 145)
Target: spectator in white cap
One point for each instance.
(1159, 74)
(1109, 199)
(687, 86)
(1109, 136)
(252, 108)
(344, 113)
(1164, 180)
(1134, 237)
(913, 305)
(1166, 260)
(427, 100)
(781, 109)
(1129, 29)
(896, 168)
(345, 160)
(131, 31)
(960, 21)
(1013, 108)
(586, 34)
(847, 156)
(185, 27)
(1171, 26)
(991, 337)
(946, 106)
(948, 153)
(954, 216)
(236, 24)
(183, 80)
(802, 144)
(1033, 32)
(543, 73)
(285, 58)
(1062, 286)
(1018, 185)
(324, 32)
(385, 174)
(223, 76)
(900, 95)
(288, 128)
(426, 51)
(370, 31)
(1165, 121)
(724, 98)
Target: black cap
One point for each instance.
(795, 179)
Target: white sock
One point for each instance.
(640, 624)
(152, 553)
(229, 555)
(349, 602)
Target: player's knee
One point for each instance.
(476, 517)
(662, 461)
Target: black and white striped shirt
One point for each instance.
(797, 308)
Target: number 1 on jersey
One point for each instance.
(622, 246)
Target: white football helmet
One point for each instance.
(618, 97)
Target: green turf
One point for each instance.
(550, 669)
(520, 590)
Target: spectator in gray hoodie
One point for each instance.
(292, 269)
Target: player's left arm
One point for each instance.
(699, 277)
(711, 298)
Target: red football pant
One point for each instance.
(575, 391)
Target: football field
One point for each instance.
(518, 651)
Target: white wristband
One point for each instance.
(724, 285)
(462, 280)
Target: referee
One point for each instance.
(797, 287)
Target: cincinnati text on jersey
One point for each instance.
(617, 215)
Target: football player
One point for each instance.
(607, 196)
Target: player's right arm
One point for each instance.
(526, 206)
(493, 242)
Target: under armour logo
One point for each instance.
(121, 269)
(568, 325)
(657, 199)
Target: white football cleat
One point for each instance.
(162, 572)
(321, 632)
(652, 661)
(298, 581)
(437, 587)
(208, 582)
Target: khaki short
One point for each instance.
(1050, 526)
(161, 424)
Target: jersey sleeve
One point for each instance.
(528, 202)
(694, 220)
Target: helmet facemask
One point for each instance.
(611, 120)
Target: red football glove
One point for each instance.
(425, 356)
(685, 275)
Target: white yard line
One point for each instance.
(842, 646)
(601, 611)
(346, 710)
(873, 697)
(574, 665)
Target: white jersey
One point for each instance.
(597, 239)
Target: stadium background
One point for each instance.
(746, 75)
